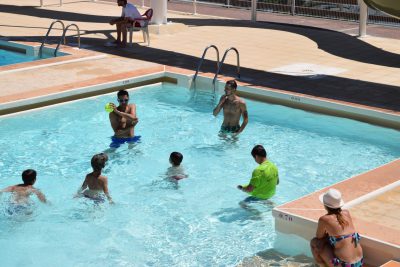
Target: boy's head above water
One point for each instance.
(99, 161)
(175, 158)
(29, 177)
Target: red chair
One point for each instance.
(143, 25)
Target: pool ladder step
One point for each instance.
(219, 63)
(62, 37)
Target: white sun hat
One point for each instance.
(332, 199)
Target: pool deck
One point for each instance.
(376, 214)
(363, 72)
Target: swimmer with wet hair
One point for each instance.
(95, 184)
(23, 191)
(176, 171)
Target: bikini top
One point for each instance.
(334, 239)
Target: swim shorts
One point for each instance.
(117, 142)
(229, 129)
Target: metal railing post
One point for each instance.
(228, 3)
(61, 2)
(41, 3)
(194, 7)
(254, 10)
(362, 31)
(142, 3)
(293, 9)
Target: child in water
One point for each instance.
(176, 171)
(94, 181)
(21, 192)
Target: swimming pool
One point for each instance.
(197, 222)
(13, 53)
(10, 57)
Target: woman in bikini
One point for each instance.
(336, 242)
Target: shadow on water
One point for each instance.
(272, 257)
(247, 211)
(124, 154)
(218, 149)
(87, 209)
(164, 182)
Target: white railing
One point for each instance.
(348, 10)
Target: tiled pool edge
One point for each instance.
(183, 78)
(300, 216)
(81, 92)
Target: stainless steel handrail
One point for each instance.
(47, 34)
(63, 37)
(202, 59)
(222, 62)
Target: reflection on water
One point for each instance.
(87, 210)
(164, 182)
(229, 138)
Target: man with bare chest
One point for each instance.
(123, 120)
(233, 108)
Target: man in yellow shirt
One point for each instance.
(265, 177)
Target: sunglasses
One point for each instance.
(123, 100)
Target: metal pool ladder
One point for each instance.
(63, 37)
(222, 62)
(47, 35)
(202, 59)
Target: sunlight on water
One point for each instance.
(196, 222)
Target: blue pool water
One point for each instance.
(9, 57)
(154, 222)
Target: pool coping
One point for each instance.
(27, 100)
(380, 245)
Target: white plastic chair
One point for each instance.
(136, 26)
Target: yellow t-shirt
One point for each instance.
(264, 180)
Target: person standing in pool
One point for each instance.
(264, 179)
(233, 108)
(95, 184)
(123, 120)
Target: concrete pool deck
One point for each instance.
(359, 72)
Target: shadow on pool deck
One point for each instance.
(332, 42)
(344, 89)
